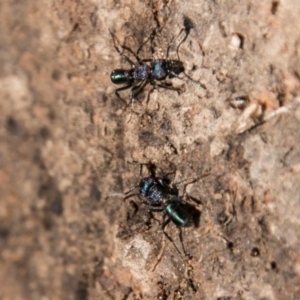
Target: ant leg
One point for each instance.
(151, 38)
(158, 259)
(130, 195)
(141, 171)
(151, 168)
(185, 195)
(188, 77)
(146, 60)
(168, 237)
(192, 181)
(136, 89)
(135, 207)
(134, 54)
(181, 241)
(122, 89)
(167, 87)
(148, 96)
(183, 180)
(133, 66)
(160, 254)
(169, 173)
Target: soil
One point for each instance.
(228, 140)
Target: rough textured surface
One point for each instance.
(66, 141)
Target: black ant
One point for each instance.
(157, 193)
(146, 71)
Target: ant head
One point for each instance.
(175, 66)
(121, 76)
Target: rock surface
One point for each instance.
(66, 143)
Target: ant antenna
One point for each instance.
(124, 48)
(124, 195)
(150, 166)
(168, 49)
(114, 195)
(188, 25)
(151, 38)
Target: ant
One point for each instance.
(157, 193)
(146, 71)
